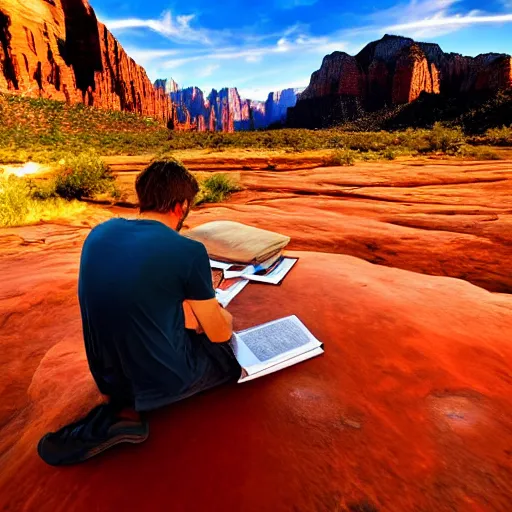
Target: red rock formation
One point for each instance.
(222, 110)
(339, 74)
(408, 409)
(413, 75)
(378, 83)
(212, 120)
(57, 49)
(201, 124)
(168, 85)
(393, 70)
(496, 75)
(185, 123)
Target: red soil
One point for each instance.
(445, 218)
(408, 409)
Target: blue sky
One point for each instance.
(266, 45)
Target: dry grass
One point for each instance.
(18, 206)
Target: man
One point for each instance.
(154, 332)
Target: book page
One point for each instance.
(260, 347)
(273, 275)
(245, 377)
(220, 264)
(276, 274)
(226, 295)
(271, 340)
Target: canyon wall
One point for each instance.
(226, 111)
(278, 103)
(392, 71)
(168, 85)
(222, 111)
(58, 49)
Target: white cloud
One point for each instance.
(254, 58)
(452, 21)
(260, 93)
(207, 71)
(428, 18)
(249, 50)
(178, 28)
(301, 43)
(292, 4)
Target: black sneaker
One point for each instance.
(99, 430)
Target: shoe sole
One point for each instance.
(130, 439)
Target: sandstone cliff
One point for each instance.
(225, 110)
(168, 85)
(278, 103)
(414, 386)
(258, 113)
(58, 49)
(392, 71)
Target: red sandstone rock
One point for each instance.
(438, 217)
(339, 74)
(408, 409)
(413, 75)
(409, 403)
(221, 111)
(57, 49)
(397, 70)
(224, 110)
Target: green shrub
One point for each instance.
(18, 206)
(478, 153)
(341, 157)
(217, 188)
(14, 200)
(389, 154)
(499, 136)
(441, 138)
(84, 176)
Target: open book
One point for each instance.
(271, 347)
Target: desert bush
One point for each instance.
(46, 131)
(84, 175)
(499, 136)
(441, 138)
(216, 188)
(341, 157)
(478, 153)
(389, 154)
(18, 206)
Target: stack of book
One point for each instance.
(229, 279)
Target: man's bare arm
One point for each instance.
(216, 322)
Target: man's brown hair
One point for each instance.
(163, 185)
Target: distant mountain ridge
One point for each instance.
(224, 110)
(392, 71)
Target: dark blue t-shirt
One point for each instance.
(134, 277)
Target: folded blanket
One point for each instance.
(236, 242)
